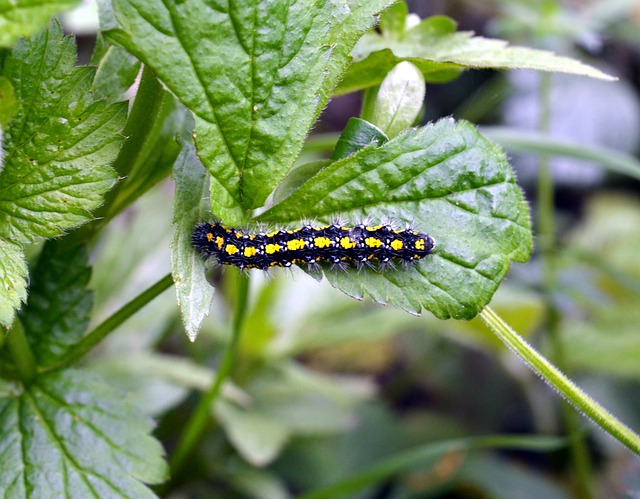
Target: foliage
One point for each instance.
(225, 101)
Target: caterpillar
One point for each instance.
(335, 244)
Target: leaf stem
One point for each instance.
(87, 343)
(21, 352)
(200, 418)
(548, 249)
(554, 377)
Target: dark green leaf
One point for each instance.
(448, 181)
(69, 435)
(255, 74)
(357, 134)
(57, 313)
(296, 177)
(441, 52)
(59, 146)
(24, 17)
(13, 283)
(192, 288)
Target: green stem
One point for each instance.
(552, 375)
(548, 249)
(21, 352)
(200, 418)
(87, 343)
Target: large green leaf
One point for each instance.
(57, 313)
(451, 183)
(255, 74)
(13, 285)
(69, 435)
(59, 146)
(24, 17)
(440, 52)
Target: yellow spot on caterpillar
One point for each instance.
(420, 244)
(347, 243)
(374, 228)
(209, 236)
(397, 244)
(272, 248)
(219, 242)
(322, 242)
(295, 244)
(239, 234)
(231, 249)
(373, 242)
(250, 251)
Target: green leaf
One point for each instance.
(393, 20)
(399, 99)
(59, 306)
(451, 183)
(440, 52)
(357, 134)
(59, 146)
(69, 435)
(24, 17)
(188, 269)
(255, 74)
(13, 283)
(9, 106)
(116, 72)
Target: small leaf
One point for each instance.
(449, 182)
(440, 52)
(399, 99)
(13, 283)
(357, 134)
(255, 74)
(59, 146)
(69, 435)
(192, 288)
(24, 17)
(59, 306)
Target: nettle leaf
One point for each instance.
(448, 181)
(441, 53)
(59, 146)
(255, 74)
(24, 17)
(59, 306)
(69, 435)
(13, 285)
(192, 288)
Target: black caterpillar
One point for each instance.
(335, 244)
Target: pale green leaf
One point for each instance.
(192, 288)
(399, 99)
(13, 283)
(441, 52)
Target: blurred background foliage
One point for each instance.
(324, 387)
